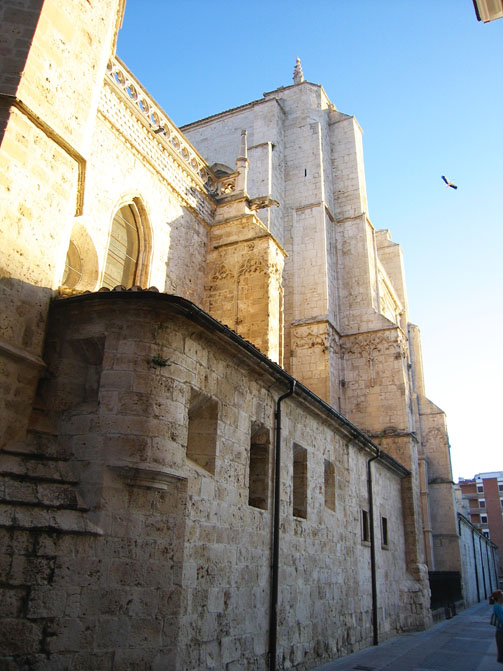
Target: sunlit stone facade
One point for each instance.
(262, 330)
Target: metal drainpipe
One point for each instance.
(373, 551)
(273, 616)
(496, 574)
(483, 569)
(475, 562)
(489, 576)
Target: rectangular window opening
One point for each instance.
(258, 485)
(299, 481)
(329, 485)
(365, 526)
(202, 430)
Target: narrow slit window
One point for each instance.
(258, 486)
(299, 481)
(329, 485)
(365, 526)
(384, 531)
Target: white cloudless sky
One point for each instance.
(424, 80)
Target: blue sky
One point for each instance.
(424, 80)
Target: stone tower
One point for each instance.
(346, 324)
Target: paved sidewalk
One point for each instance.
(464, 643)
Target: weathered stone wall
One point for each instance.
(82, 166)
(436, 450)
(479, 559)
(346, 310)
(119, 173)
(243, 286)
(51, 114)
(177, 545)
(138, 473)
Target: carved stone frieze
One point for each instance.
(371, 345)
(307, 337)
(252, 266)
(222, 273)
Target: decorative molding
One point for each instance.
(13, 101)
(174, 189)
(123, 81)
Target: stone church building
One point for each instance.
(216, 448)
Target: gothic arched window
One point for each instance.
(128, 249)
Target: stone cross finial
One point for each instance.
(298, 76)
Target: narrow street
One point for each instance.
(464, 643)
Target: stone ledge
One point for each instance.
(149, 478)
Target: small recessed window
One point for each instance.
(384, 531)
(329, 485)
(365, 526)
(483, 519)
(258, 485)
(480, 489)
(485, 532)
(299, 481)
(500, 488)
(202, 430)
(482, 503)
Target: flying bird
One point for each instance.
(447, 183)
